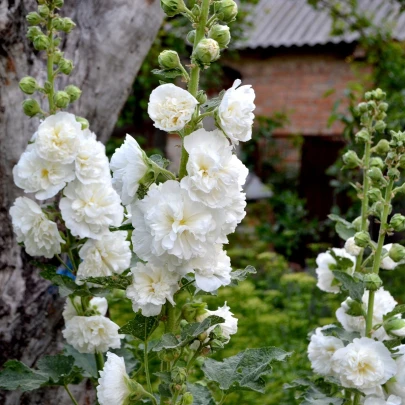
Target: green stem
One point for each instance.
(70, 395)
(62, 262)
(356, 399)
(183, 163)
(175, 396)
(99, 361)
(222, 399)
(377, 256)
(171, 318)
(50, 72)
(146, 363)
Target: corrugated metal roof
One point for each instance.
(277, 23)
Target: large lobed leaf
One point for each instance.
(141, 326)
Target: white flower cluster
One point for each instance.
(90, 331)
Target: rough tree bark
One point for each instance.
(107, 47)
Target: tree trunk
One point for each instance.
(107, 47)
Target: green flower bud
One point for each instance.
(355, 308)
(33, 18)
(207, 51)
(62, 99)
(179, 375)
(169, 60)
(172, 7)
(191, 311)
(378, 94)
(221, 34)
(393, 174)
(397, 252)
(168, 355)
(201, 97)
(351, 160)
(376, 175)
(33, 32)
(397, 138)
(372, 281)
(196, 10)
(47, 87)
(380, 126)
(374, 195)
(28, 85)
(382, 147)
(226, 10)
(73, 92)
(368, 95)
(377, 162)
(183, 323)
(397, 222)
(58, 3)
(362, 108)
(58, 23)
(377, 209)
(191, 37)
(362, 239)
(363, 136)
(41, 42)
(68, 25)
(65, 66)
(216, 344)
(357, 223)
(43, 10)
(31, 107)
(395, 326)
(57, 56)
(85, 124)
(187, 399)
(383, 107)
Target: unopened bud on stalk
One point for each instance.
(43, 10)
(393, 174)
(207, 51)
(169, 59)
(362, 239)
(380, 126)
(376, 175)
(397, 139)
(84, 123)
(395, 326)
(363, 136)
(355, 308)
(351, 160)
(383, 107)
(357, 223)
(191, 37)
(221, 34)
(196, 10)
(377, 162)
(33, 32)
(41, 42)
(33, 18)
(65, 66)
(187, 399)
(372, 281)
(57, 56)
(68, 25)
(62, 99)
(374, 195)
(58, 3)
(382, 147)
(397, 222)
(397, 252)
(378, 94)
(172, 7)
(28, 85)
(31, 107)
(73, 92)
(201, 97)
(362, 107)
(226, 10)
(58, 23)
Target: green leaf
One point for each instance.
(344, 228)
(85, 361)
(59, 368)
(399, 309)
(241, 275)
(350, 284)
(342, 334)
(245, 370)
(213, 103)
(167, 73)
(160, 161)
(17, 375)
(141, 326)
(167, 341)
(117, 281)
(201, 394)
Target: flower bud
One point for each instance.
(368, 95)
(351, 160)
(352, 248)
(56, 42)
(179, 375)
(73, 92)
(33, 18)
(41, 42)
(207, 51)
(397, 252)
(382, 147)
(216, 344)
(28, 85)
(393, 173)
(85, 124)
(362, 239)
(397, 222)
(33, 32)
(58, 23)
(355, 308)
(372, 281)
(374, 195)
(383, 107)
(377, 209)
(169, 60)
(363, 136)
(377, 162)
(201, 97)
(47, 87)
(378, 94)
(57, 56)
(31, 107)
(196, 10)
(191, 37)
(380, 126)
(58, 3)
(221, 34)
(169, 354)
(357, 223)
(172, 7)
(371, 105)
(62, 99)
(68, 25)
(376, 175)
(395, 326)
(43, 10)
(65, 66)
(226, 10)
(397, 138)
(187, 399)
(362, 107)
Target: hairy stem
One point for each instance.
(356, 399)
(70, 395)
(99, 361)
(146, 364)
(50, 72)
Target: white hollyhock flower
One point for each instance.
(213, 171)
(324, 273)
(151, 287)
(31, 226)
(113, 385)
(383, 303)
(100, 258)
(373, 400)
(387, 263)
(229, 327)
(171, 107)
(364, 364)
(212, 270)
(58, 138)
(168, 221)
(98, 304)
(91, 334)
(320, 351)
(128, 167)
(352, 248)
(397, 386)
(90, 209)
(235, 113)
(91, 162)
(36, 175)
